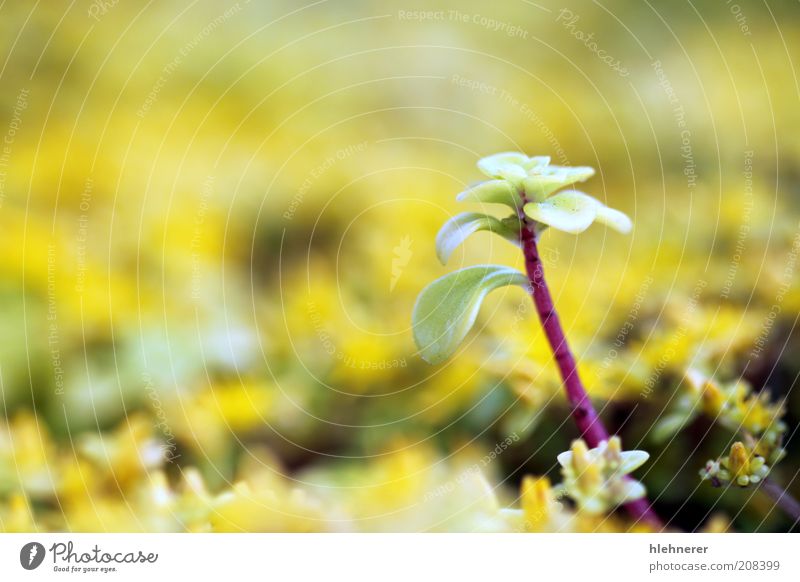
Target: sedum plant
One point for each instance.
(743, 467)
(539, 196)
(594, 479)
(752, 416)
(733, 405)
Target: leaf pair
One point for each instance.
(447, 308)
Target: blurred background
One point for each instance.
(216, 217)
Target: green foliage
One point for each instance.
(492, 192)
(574, 212)
(456, 230)
(447, 308)
(532, 177)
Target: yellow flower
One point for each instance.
(241, 405)
(245, 510)
(595, 478)
(16, 516)
(733, 405)
(542, 512)
(717, 523)
(742, 467)
(26, 451)
(126, 454)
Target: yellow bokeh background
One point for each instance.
(216, 217)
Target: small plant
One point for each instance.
(595, 478)
(753, 418)
(447, 308)
(742, 467)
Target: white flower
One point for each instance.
(596, 478)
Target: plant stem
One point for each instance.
(583, 412)
(782, 499)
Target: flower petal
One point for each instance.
(565, 459)
(593, 504)
(570, 211)
(632, 460)
(632, 490)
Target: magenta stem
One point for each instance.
(782, 498)
(583, 412)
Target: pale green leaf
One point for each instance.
(615, 219)
(570, 211)
(569, 174)
(506, 165)
(541, 182)
(492, 192)
(538, 188)
(536, 163)
(456, 230)
(447, 308)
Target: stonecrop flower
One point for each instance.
(742, 466)
(734, 405)
(596, 478)
(542, 512)
(532, 183)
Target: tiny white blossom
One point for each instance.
(596, 478)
